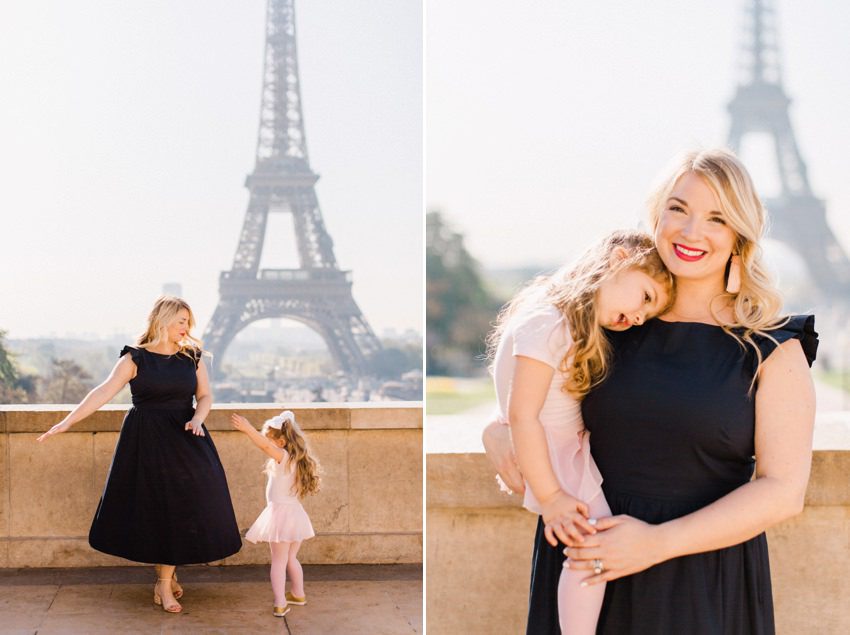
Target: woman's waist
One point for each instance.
(662, 504)
(171, 405)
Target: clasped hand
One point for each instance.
(565, 519)
(622, 544)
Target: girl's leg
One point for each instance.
(280, 557)
(578, 607)
(296, 573)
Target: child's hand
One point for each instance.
(240, 423)
(565, 519)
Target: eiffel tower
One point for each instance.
(760, 104)
(318, 293)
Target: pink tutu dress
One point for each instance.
(544, 335)
(284, 518)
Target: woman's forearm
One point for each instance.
(96, 398)
(740, 515)
(202, 408)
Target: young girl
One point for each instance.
(292, 474)
(549, 351)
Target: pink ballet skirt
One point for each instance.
(574, 467)
(281, 522)
(284, 518)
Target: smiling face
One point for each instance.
(629, 298)
(179, 327)
(693, 237)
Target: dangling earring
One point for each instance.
(733, 282)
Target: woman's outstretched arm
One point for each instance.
(785, 409)
(122, 373)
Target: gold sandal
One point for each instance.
(176, 589)
(280, 611)
(157, 598)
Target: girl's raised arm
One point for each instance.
(123, 372)
(264, 443)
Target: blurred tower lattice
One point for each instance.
(317, 293)
(760, 105)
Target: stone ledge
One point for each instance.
(476, 534)
(369, 509)
(325, 416)
(469, 480)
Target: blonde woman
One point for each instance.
(549, 350)
(696, 402)
(166, 499)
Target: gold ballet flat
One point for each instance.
(294, 599)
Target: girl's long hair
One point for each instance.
(307, 468)
(573, 290)
(164, 312)
(758, 303)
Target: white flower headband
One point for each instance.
(278, 421)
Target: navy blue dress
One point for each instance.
(672, 430)
(166, 499)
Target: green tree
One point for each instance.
(14, 386)
(67, 382)
(458, 307)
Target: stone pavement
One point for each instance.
(342, 599)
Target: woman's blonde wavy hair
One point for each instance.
(758, 303)
(164, 312)
(573, 290)
(307, 468)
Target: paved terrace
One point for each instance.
(342, 599)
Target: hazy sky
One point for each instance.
(127, 130)
(548, 120)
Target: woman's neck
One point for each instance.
(695, 300)
(165, 348)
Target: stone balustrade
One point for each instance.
(369, 509)
(480, 541)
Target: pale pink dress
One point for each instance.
(543, 335)
(284, 518)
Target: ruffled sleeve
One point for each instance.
(798, 327)
(135, 353)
